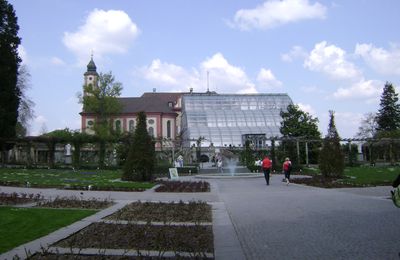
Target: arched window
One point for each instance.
(151, 131)
(118, 126)
(131, 125)
(168, 129)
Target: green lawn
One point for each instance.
(366, 175)
(21, 225)
(64, 178)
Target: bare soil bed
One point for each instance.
(323, 182)
(75, 202)
(165, 212)
(19, 198)
(183, 186)
(183, 229)
(106, 257)
(145, 237)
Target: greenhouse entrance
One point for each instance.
(256, 141)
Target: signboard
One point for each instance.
(173, 173)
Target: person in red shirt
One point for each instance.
(287, 168)
(266, 167)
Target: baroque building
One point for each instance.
(162, 111)
(218, 120)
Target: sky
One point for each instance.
(326, 55)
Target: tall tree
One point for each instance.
(331, 158)
(139, 164)
(102, 100)
(298, 124)
(25, 110)
(368, 126)
(9, 64)
(388, 117)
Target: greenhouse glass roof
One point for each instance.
(225, 119)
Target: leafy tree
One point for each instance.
(331, 158)
(368, 126)
(25, 110)
(388, 117)
(102, 100)
(140, 162)
(9, 64)
(298, 124)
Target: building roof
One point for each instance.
(150, 102)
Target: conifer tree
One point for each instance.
(9, 64)
(139, 164)
(331, 158)
(388, 117)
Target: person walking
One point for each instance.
(266, 165)
(219, 165)
(287, 168)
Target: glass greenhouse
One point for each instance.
(231, 119)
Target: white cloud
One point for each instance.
(332, 61)
(57, 61)
(103, 32)
(307, 108)
(170, 75)
(22, 54)
(347, 123)
(369, 90)
(273, 13)
(223, 77)
(266, 79)
(383, 61)
(297, 52)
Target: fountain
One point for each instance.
(231, 169)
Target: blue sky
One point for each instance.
(327, 55)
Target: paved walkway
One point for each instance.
(255, 221)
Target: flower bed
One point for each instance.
(183, 186)
(18, 198)
(162, 212)
(75, 202)
(194, 239)
(325, 182)
(170, 231)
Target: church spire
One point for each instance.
(91, 75)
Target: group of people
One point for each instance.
(266, 165)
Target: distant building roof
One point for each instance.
(150, 102)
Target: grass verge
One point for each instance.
(79, 179)
(21, 225)
(364, 175)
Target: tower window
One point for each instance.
(90, 78)
(168, 129)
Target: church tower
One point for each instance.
(91, 75)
